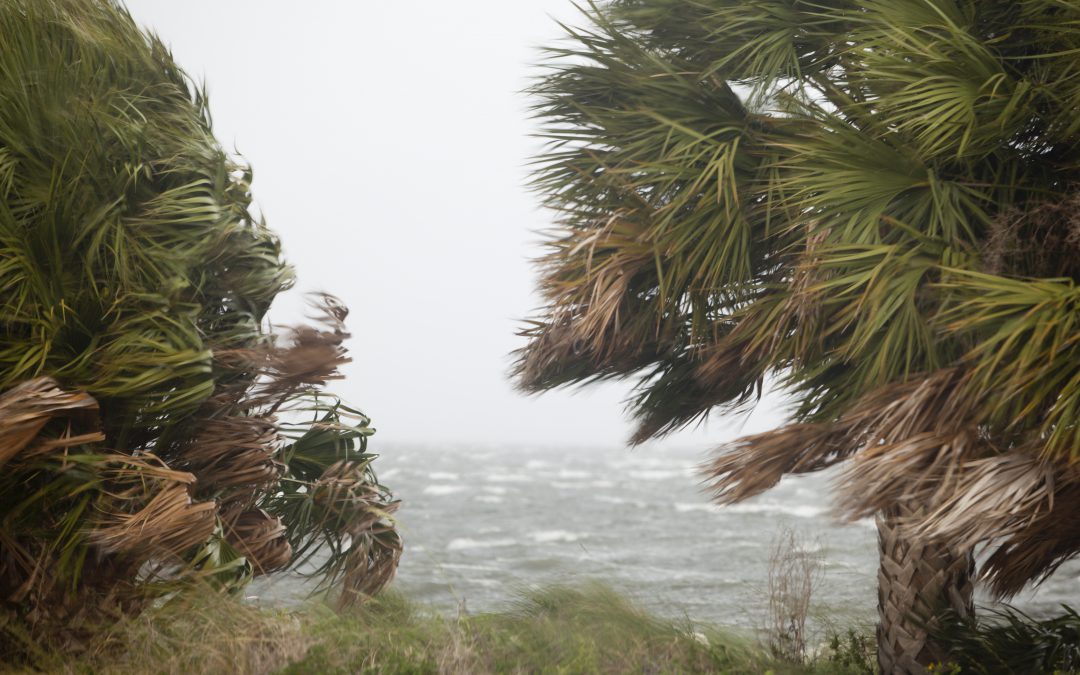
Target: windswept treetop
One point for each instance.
(874, 204)
(139, 381)
(127, 250)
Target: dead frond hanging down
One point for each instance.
(1036, 551)
(259, 537)
(1019, 506)
(896, 437)
(754, 464)
(921, 467)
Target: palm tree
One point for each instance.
(153, 430)
(872, 204)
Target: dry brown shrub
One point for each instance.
(795, 571)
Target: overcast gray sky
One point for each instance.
(389, 142)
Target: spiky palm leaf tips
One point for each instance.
(873, 203)
(153, 430)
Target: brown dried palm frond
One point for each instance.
(907, 418)
(1041, 241)
(1016, 503)
(18, 568)
(233, 453)
(1034, 552)
(311, 358)
(146, 512)
(753, 464)
(919, 467)
(937, 402)
(560, 356)
(310, 355)
(348, 496)
(597, 320)
(608, 258)
(351, 504)
(39, 420)
(603, 316)
(257, 536)
(26, 409)
(371, 564)
(989, 498)
(1019, 505)
(268, 374)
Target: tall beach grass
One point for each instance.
(590, 629)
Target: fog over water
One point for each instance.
(390, 144)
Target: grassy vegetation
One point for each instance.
(558, 630)
(1006, 640)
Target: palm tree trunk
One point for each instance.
(916, 582)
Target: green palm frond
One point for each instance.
(1013, 642)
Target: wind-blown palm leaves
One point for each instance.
(871, 202)
(152, 429)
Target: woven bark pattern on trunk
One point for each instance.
(917, 580)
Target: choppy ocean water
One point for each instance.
(482, 523)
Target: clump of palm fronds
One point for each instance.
(153, 429)
(871, 204)
(1009, 641)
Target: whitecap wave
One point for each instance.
(443, 490)
(608, 499)
(684, 507)
(797, 510)
(465, 544)
(551, 536)
(466, 566)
